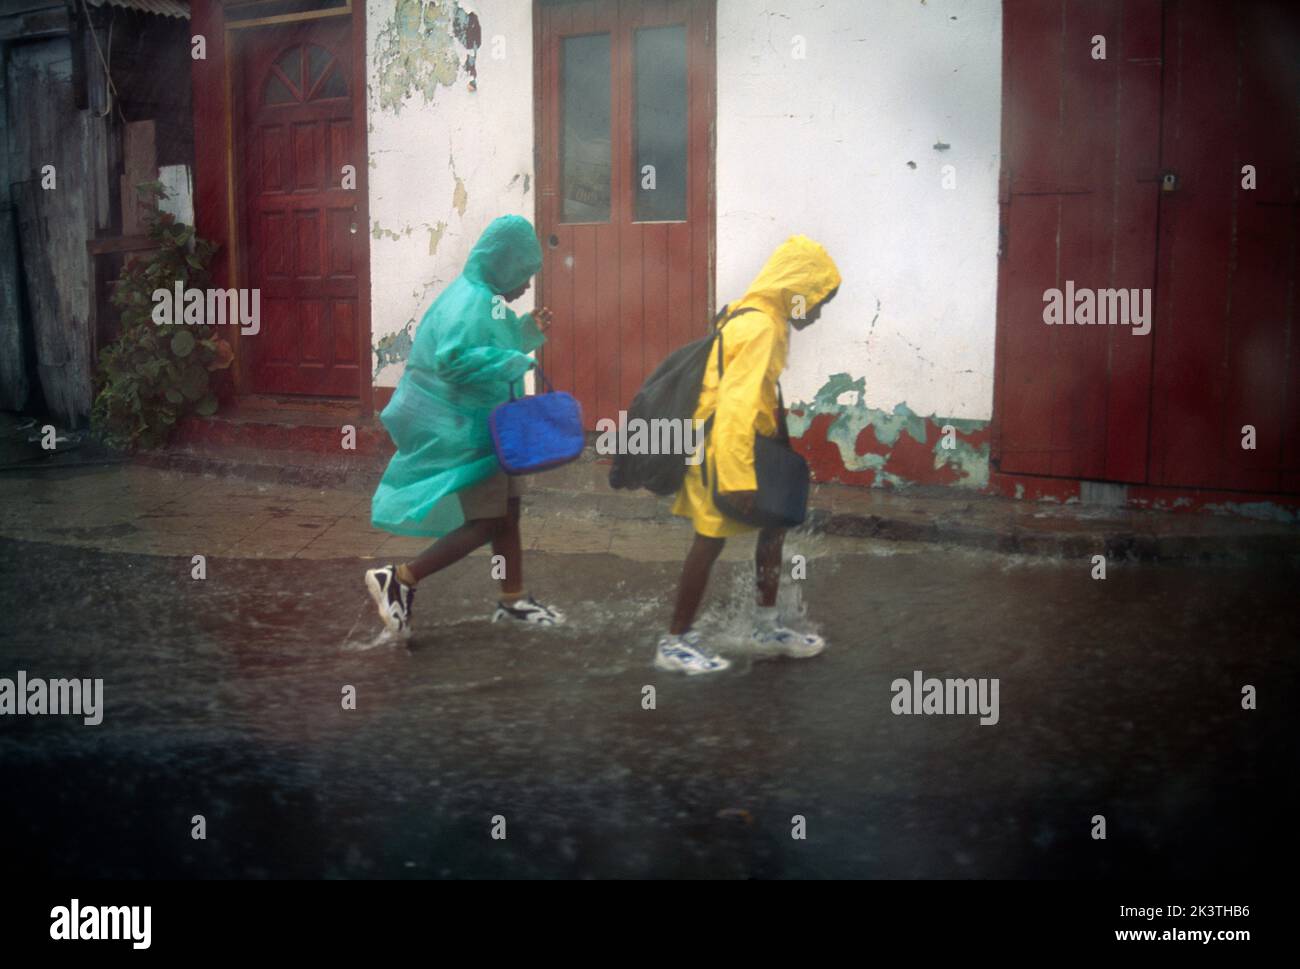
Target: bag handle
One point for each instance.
(537, 366)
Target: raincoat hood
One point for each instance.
(506, 255)
(798, 267)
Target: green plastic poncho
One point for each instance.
(464, 362)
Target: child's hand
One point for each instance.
(542, 317)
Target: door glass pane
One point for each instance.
(291, 63)
(659, 156)
(276, 92)
(335, 86)
(317, 59)
(586, 148)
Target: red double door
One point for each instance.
(1127, 172)
(625, 203)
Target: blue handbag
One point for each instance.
(534, 433)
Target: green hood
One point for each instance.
(506, 255)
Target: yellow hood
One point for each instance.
(798, 267)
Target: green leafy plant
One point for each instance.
(152, 376)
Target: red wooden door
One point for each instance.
(625, 206)
(1079, 202)
(303, 242)
(1194, 89)
(1227, 343)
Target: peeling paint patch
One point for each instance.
(459, 197)
(394, 348)
(419, 49)
(435, 236)
(378, 232)
(844, 440)
(470, 35)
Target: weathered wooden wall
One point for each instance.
(45, 128)
(14, 385)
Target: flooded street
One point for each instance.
(223, 698)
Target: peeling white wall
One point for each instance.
(444, 148)
(820, 145)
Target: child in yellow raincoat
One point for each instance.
(797, 281)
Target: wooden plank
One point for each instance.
(636, 359)
(1032, 65)
(605, 328)
(630, 320)
(140, 164)
(1030, 268)
(36, 25)
(45, 128)
(1196, 245)
(700, 174)
(654, 291)
(562, 356)
(584, 273)
(14, 382)
(99, 247)
(1132, 229)
(1088, 106)
(1032, 38)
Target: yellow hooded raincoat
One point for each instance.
(744, 402)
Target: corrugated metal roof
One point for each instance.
(164, 8)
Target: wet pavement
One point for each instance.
(222, 698)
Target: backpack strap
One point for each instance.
(723, 316)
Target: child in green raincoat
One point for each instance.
(797, 281)
(469, 352)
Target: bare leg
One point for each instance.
(767, 564)
(507, 543)
(454, 546)
(695, 579)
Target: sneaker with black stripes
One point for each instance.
(529, 611)
(393, 597)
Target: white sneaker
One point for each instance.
(393, 597)
(776, 640)
(528, 611)
(682, 654)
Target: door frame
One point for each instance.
(710, 82)
(237, 254)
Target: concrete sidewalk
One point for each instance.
(946, 516)
(279, 502)
(131, 508)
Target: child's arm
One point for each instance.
(531, 328)
(471, 352)
(476, 365)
